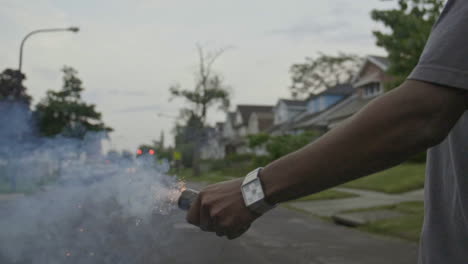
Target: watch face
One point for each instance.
(252, 192)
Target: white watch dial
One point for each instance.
(253, 192)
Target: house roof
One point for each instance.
(380, 61)
(247, 110)
(296, 103)
(278, 127)
(340, 89)
(320, 119)
(349, 109)
(375, 77)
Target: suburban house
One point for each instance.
(284, 112)
(320, 112)
(213, 148)
(246, 120)
(367, 85)
(260, 122)
(318, 104)
(228, 130)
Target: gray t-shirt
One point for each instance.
(445, 61)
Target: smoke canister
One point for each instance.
(186, 199)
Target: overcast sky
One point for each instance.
(129, 52)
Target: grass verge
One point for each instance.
(408, 226)
(326, 195)
(402, 178)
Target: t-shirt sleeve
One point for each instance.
(444, 60)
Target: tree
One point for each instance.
(323, 72)
(11, 86)
(209, 90)
(64, 112)
(410, 25)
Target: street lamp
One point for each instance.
(71, 29)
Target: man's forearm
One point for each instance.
(385, 133)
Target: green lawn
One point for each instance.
(407, 226)
(326, 195)
(212, 176)
(402, 178)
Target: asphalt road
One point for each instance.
(280, 236)
(285, 236)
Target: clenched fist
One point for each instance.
(220, 208)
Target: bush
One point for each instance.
(239, 157)
(261, 161)
(258, 140)
(279, 146)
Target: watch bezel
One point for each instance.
(259, 189)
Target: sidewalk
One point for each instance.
(366, 199)
(338, 209)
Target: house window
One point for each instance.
(372, 89)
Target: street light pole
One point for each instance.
(46, 30)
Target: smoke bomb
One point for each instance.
(187, 197)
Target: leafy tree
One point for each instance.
(323, 72)
(64, 112)
(11, 86)
(410, 25)
(209, 90)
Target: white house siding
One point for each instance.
(213, 149)
(228, 131)
(253, 125)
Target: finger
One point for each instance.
(193, 215)
(206, 223)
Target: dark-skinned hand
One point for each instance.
(220, 208)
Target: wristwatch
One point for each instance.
(254, 196)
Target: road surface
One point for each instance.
(285, 236)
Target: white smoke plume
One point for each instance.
(79, 206)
